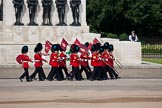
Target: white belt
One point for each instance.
(37, 60)
(24, 61)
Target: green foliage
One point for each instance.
(123, 37)
(123, 16)
(111, 35)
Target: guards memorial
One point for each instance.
(35, 21)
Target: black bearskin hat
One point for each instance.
(36, 49)
(111, 47)
(24, 49)
(98, 46)
(106, 45)
(76, 48)
(58, 47)
(40, 47)
(101, 49)
(86, 44)
(55, 47)
(93, 48)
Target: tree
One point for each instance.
(119, 16)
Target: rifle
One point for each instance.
(111, 67)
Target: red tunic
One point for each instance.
(74, 60)
(102, 62)
(84, 59)
(106, 57)
(38, 60)
(25, 59)
(62, 63)
(95, 59)
(54, 60)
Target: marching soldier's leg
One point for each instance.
(43, 74)
(87, 72)
(27, 74)
(99, 73)
(114, 73)
(79, 76)
(104, 73)
(32, 76)
(110, 72)
(89, 69)
(81, 70)
(51, 74)
(61, 73)
(93, 76)
(38, 69)
(22, 76)
(58, 75)
(66, 72)
(72, 73)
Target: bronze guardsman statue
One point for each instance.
(32, 5)
(60, 4)
(18, 5)
(1, 10)
(46, 4)
(74, 4)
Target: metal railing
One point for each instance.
(151, 46)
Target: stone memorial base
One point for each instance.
(34, 34)
(128, 53)
(13, 38)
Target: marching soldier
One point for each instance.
(24, 60)
(106, 56)
(102, 63)
(62, 63)
(94, 62)
(111, 61)
(54, 62)
(84, 63)
(75, 61)
(38, 63)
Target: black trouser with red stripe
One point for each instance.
(111, 72)
(25, 74)
(86, 70)
(41, 74)
(54, 73)
(61, 72)
(103, 73)
(96, 74)
(75, 72)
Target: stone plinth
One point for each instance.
(34, 34)
(128, 53)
